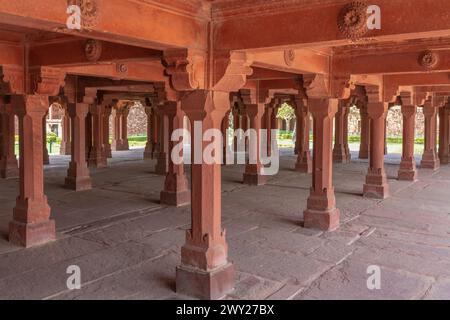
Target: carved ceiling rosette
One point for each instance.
(89, 12)
(352, 20)
(93, 50)
(428, 59)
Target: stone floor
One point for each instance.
(127, 245)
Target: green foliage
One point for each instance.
(53, 138)
(286, 112)
(137, 139)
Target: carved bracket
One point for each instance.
(326, 86)
(231, 71)
(186, 69)
(11, 79)
(46, 80)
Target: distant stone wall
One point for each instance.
(137, 121)
(394, 122)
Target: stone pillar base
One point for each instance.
(31, 234)
(432, 164)
(327, 220)
(304, 163)
(78, 183)
(407, 171)
(177, 199)
(148, 155)
(252, 179)
(108, 152)
(407, 175)
(376, 191)
(98, 162)
(161, 167)
(339, 156)
(211, 285)
(9, 169)
(364, 154)
(444, 160)
(65, 149)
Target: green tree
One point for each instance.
(286, 113)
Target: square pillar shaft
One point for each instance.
(31, 223)
(205, 271)
(376, 185)
(78, 177)
(430, 159)
(8, 161)
(407, 171)
(321, 212)
(176, 191)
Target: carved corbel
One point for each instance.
(316, 85)
(186, 69)
(405, 98)
(231, 70)
(390, 93)
(341, 86)
(374, 94)
(11, 79)
(419, 98)
(46, 81)
(438, 100)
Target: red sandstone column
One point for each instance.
(268, 126)
(78, 173)
(407, 171)
(385, 136)
(444, 133)
(96, 154)
(148, 152)
(124, 129)
(321, 212)
(304, 161)
(244, 126)
(365, 133)
(224, 129)
(376, 185)
(205, 271)
(348, 155)
(88, 136)
(31, 223)
(65, 141)
(115, 144)
(162, 163)
(46, 157)
(106, 145)
(339, 152)
(8, 161)
(236, 126)
(252, 174)
(155, 134)
(430, 159)
(176, 191)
